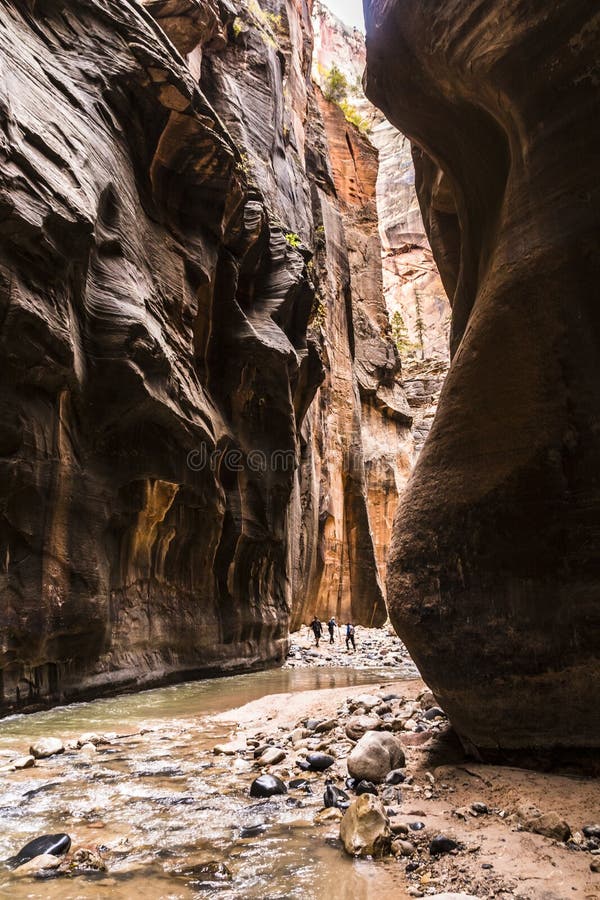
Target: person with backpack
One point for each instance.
(331, 625)
(350, 636)
(317, 630)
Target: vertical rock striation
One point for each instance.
(165, 470)
(414, 295)
(493, 577)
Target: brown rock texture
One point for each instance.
(414, 295)
(494, 578)
(164, 478)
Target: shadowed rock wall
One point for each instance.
(159, 202)
(494, 577)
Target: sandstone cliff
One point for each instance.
(415, 298)
(493, 577)
(170, 489)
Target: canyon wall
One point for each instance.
(184, 348)
(493, 579)
(415, 298)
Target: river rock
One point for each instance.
(23, 762)
(369, 701)
(206, 874)
(549, 824)
(319, 762)
(396, 776)
(326, 726)
(434, 712)
(46, 844)
(88, 749)
(238, 745)
(252, 831)
(267, 786)
(271, 756)
(403, 848)
(329, 814)
(357, 726)
(85, 860)
(365, 829)
(45, 747)
(41, 863)
(366, 787)
(335, 797)
(591, 831)
(441, 844)
(375, 755)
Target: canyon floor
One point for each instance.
(490, 811)
(160, 804)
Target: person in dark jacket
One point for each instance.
(331, 625)
(350, 636)
(317, 630)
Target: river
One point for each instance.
(157, 801)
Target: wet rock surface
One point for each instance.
(494, 536)
(200, 389)
(155, 806)
(365, 828)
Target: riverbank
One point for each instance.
(375, 647)
(493, 814)
(154, 791)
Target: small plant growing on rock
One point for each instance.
(294, 240)
(335, 85)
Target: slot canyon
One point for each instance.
(298, 322)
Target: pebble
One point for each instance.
(416, 826)
(403, 848)
(267, 786)
(324, 727)
(46, 747)
(479, 809)
(366, 787)
(433, 712)
(396, 776)
(253, 831)
(23, 762)
(334, 797)
(39, 863)
(271, 756)
(590, 831)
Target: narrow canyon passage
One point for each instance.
(298, 325)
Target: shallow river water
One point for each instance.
(158, 802)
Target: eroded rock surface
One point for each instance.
(493, 579)
(164, 489)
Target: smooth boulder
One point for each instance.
(374, 757)
(46, 844)
(357, 726)
(46, 747)
(267, 786)
(319, 762)
(365, 829)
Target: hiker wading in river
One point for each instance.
(331, 626)
(317, 630)
(350, 636)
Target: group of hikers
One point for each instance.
(317, 629)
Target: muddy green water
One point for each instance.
(159, 801)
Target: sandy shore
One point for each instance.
(499, 856)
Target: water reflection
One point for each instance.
(160, 802)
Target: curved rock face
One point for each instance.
(162, 492)
(494, 578)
